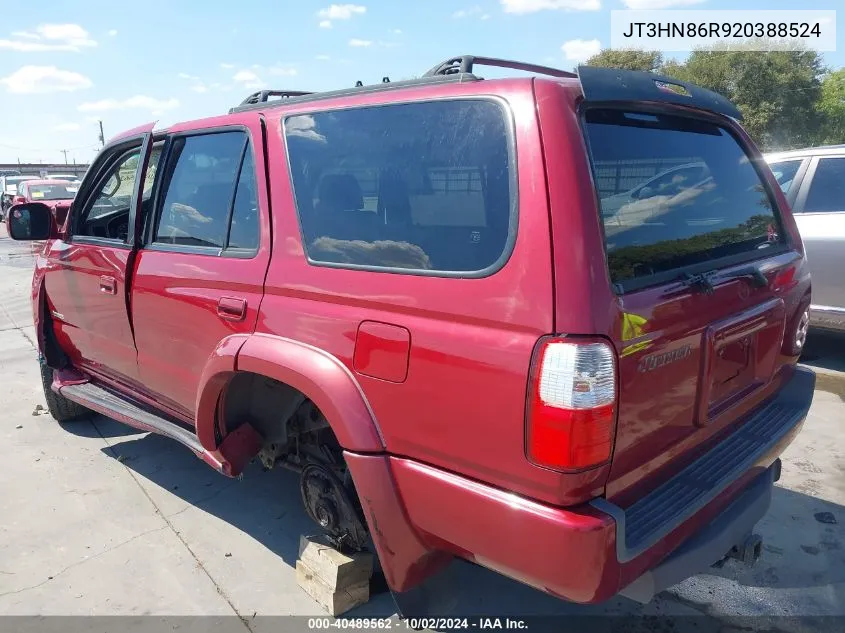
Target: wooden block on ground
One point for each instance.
(335, 601)
(333, 568)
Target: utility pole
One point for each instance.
(64, 151)
(102, 136)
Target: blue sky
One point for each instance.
(64, 65)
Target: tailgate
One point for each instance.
(705, 277)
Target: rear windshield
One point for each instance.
(675, 192)
(52, 192)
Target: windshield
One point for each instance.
(52, 192)
(692, 194)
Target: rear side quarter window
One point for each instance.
(423, 188)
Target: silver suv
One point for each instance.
(813, 180)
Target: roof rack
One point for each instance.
(465, 64)
(453, 70)
(264, 95)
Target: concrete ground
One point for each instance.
(96, 518)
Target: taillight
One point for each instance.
(572, 404)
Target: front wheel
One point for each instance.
(62, 409)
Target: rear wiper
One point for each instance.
(752, 274)
(701, 282)
(707, 282)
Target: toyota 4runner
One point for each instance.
(548, 324)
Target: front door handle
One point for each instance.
(231, 308)
(108, 285)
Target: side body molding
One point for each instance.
(324, 379)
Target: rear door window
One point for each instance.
(827, 191)
(785, 172)
(675, 193)
(414, 187)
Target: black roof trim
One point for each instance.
(466, 63)
(264, 95)
(306, 97)
(610, 84)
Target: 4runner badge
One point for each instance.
(655, 361)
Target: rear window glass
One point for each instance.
(418, 187)
(675, 192)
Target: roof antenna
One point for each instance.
(385, 80)
(359, 83)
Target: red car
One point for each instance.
(58, 194)
(406, 293)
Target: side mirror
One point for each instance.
(645, 193)
(33, 221)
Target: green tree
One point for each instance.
(627, 59)
(776, 91)
(832, 107)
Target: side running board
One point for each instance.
(98, 399)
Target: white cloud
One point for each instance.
(532, 6)
(244, 76)
(199, 87)
(67, 127)
(112, 32)
(49, 37)
(580, 50)
(44, 79)
(360, 43)
(465, 13)
(396, 31)
(341, 11)
(187, 76)
(486, 16)
(138, 102)
(281, 71)
(323, 58)
(227, 66)
(658, 4)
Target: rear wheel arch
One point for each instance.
(310, 371)
(322, 379)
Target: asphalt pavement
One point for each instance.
(98, 519)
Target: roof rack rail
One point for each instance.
(465, 64)
(264, 95)
(253, 102)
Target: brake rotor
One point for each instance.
(329, 503)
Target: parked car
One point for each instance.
(405, 293)
(57, 194)
(9, 172)
(68, 177)
(9, 189)
(813, 180)
(651, 196)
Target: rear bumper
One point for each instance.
(590, 553)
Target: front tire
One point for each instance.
(62, 409)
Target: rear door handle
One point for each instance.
(231, 308)
(108, 285)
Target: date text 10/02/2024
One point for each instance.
(357, 624)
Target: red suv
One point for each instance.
(546, 324)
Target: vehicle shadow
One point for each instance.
(802, 551)
(824, 350)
